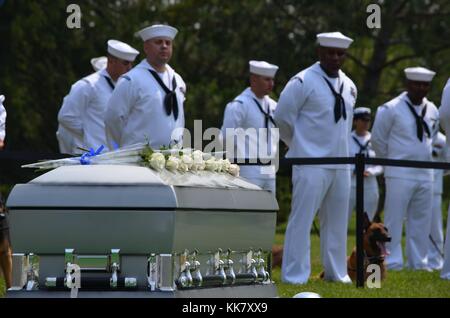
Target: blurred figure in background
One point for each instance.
(360, 143)
(404, 129)
(83, 109)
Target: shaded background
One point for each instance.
(40, 58)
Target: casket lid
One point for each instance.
(99, 175)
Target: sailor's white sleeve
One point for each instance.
(70, 115)
(2, 122)
(117, 110)
(444, 116)
(289, 104)
(233, 118)
(381, 130)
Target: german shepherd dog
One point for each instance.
(374, 240)
(375, 237)
(5, 247)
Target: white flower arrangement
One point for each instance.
(175, 160)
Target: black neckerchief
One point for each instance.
(109, 81)
(362, 148)
(420, 122)
(170, 100)
(339, 103)
(267, 117)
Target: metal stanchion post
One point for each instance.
(359, 170)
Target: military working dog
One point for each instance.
(375, 237)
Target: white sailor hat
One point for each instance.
(122, 50)
(2, 98)
(361, 112)
(158, 30)
(263, 68)
(99, 63)
(334, 39)
(306, 295)
(419, 74)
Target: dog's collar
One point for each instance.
(374, 259)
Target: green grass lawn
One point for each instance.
(405, 283)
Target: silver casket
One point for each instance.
(127, 231)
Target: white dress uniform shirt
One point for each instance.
(136, 113)
(444, 113)
(362, 144)
(83, 109)
(311, 134)
(305, 116)
(2, 121)
(409, 193)
(394, 136)
(243, 112)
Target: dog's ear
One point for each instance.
(367, 222)
(377, 218)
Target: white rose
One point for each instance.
(234, 170)
(211, 164)
(187, 160)
(225, 165)
(172, 163)
(157, 161)
(185, 163)
(198, 162)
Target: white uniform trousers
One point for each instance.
(326, 190)
(371, 197)
(445, 273)
(435, 260)
(408, 200)
(264, 183)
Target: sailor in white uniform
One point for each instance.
(360, 144)
(64, 137)
(404, 128)
(82, 112)
(314, 116)
(444, 113)
(147, 104)
(436, 241)
(252, 111)
(2, 122)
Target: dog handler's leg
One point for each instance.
(333, 224)
(418, 223)
(309, 186)
(398, 195)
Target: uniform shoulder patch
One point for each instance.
(298, 78)
(238, 101)
(126, 77)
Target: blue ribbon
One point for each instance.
(85, 158)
